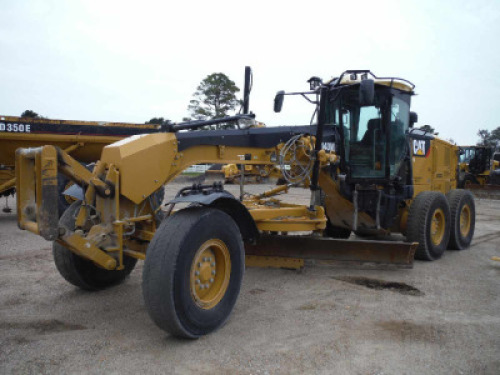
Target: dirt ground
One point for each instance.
(440, 317)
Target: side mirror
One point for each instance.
(278, 101)
(413, 118)
(366, 92)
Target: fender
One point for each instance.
(214, 196)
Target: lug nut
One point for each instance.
(199, 264)
(197, 273)
(207, 285)
(212, 280)
(198, 281)
(213, 272)
(213, 264)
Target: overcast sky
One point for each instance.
(132, 60)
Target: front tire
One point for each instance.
(429, 225)
(463, 218)
(193, 272)
(82, 272)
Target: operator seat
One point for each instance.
(373, 125)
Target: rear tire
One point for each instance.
(82, 272)
(463, 218)
(429, 225)
(193, 272)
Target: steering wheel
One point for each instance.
(296, 159)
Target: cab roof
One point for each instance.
(352, 77)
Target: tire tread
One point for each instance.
(455, 197)
(159, 269)
(417, 223)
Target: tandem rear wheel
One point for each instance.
(193, 272)
(463, 218)
(429, 224)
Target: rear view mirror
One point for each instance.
(278, 101)
(413, 118)
(366, 92)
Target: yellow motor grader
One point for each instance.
(243, 174)
(84, 140)
(236, 174)
(479, 170)
(367, 171)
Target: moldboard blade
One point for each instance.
(320, 248)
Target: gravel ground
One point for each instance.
(440, 317)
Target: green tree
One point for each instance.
(158, 121)
(489, 138)
(214, 98)
(429, 129)
(495, 136)
(29, 113)
(484, 136)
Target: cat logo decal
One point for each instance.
(421, 147)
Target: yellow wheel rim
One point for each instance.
(210, 272)
(437, 227)
(465, 220)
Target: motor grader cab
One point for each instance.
(196, 247)
(373, 124)
(388, 177)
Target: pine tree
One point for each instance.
(214, 98)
